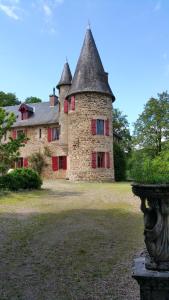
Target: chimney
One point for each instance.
(53, 99)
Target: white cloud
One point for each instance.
(157, 6)
(10, 11)
(47, 10)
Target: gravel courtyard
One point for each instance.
(69, 241)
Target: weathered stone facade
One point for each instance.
(82, 143)
(85, 99)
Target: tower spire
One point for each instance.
(89, 74)
(66, 76)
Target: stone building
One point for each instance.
(76, 126)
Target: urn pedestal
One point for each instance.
(152, 271)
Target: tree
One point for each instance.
(119, 163)
(152, 126)
(121, 129)
(9, 150)
(8, 99)
(32, 100)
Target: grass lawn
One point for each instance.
(69, 241)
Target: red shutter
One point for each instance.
(14, 133)
(65, 106)
(25, 162)
(107, 127)
(94, 160)
(49, 134)
(93, 127)
(73, 103)
(64, 162)
(108, 160)
(54, 163)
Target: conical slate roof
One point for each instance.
(89, 74)
(66, 76)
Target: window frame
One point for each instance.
(100, 127)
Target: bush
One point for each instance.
(119, 163)
(152, 171)
(21, 179)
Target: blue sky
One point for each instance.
(132, 37)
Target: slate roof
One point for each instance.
(89, 74)
(66, 77)
(42, 114)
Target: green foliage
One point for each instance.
(152, 126)
(146, 170)
(37, 162)
(119, 163)
(9, 150)
(121, 129)
(32, 100)
(20, 179)
(8, 99)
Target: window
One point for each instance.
(55, 133)
(19, 163)
(20, 132)
(59, 163)
(100, 127)
(100, 160)
(40, 133)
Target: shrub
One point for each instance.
(152, 171)
(21, 179)
(119, 163)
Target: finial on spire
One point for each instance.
(66, 60)
(53, 91)
(89, 25)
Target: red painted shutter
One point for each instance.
(25, 162)
(14, 133)
(65, 106)
(73, 103)
(93, 127)
(107, 127)
(54, 163)
(64, 162)
(108, 160)
(94, 160)
(49, 134)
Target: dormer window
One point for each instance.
(26, 111)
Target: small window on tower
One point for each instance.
(40, 133)
(100, 127)
(20, 132)
(100, 159)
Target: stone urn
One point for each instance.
(155, 207)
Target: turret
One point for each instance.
(90, 118)
(63, 87)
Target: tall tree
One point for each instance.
(8, 99)
(9, 147)
(121, 129)
(152, 126)
(32, 100)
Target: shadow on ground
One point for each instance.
(75, 254)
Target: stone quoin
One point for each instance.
(76, 126)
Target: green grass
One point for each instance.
(69, 241)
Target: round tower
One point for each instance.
(90, 133)
(63, 87)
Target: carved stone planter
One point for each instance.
(155, 207)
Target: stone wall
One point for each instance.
(81, 142)
(36, 144)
